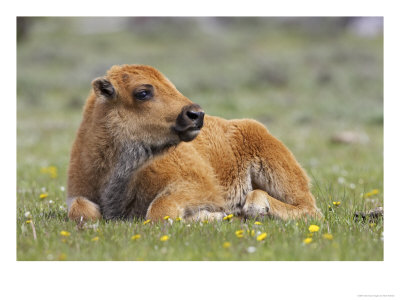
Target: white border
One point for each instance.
(195, 280)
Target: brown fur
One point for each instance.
(233, 166)
(83, 209)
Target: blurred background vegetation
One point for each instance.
(316, 83)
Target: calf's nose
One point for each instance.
(191, 117)
(196, 117)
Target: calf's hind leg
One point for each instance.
(277, 177)
(256, 205)
(259, 204)
(183, 206)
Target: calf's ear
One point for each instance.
(103, 88)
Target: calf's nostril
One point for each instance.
(193, 115)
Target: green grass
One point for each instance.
(304, 86)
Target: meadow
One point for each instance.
(307, 83)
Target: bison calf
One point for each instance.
(145, 150)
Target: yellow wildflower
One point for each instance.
(52, 171)
(313, 228)
(43, 195)
(164, 238)
(372, 225)
(336, 203)
(372, 193)
(327, 236)
(28, 221)
(166, 217)
(261, 236)
(226, 245)
(135, 237)
(257, 223)
(228, 217)
(65, 233)
(205, 221)
(178, 219)
(239, 233)
(62, 256)
(307, 240)
(95, 239)
(145, 222)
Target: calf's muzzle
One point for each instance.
(189, 122)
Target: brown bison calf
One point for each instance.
(128, 160)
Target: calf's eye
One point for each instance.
(143, 95)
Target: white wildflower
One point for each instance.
(251, 249)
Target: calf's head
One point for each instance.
(138, 103)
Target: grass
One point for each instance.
(305, 86)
